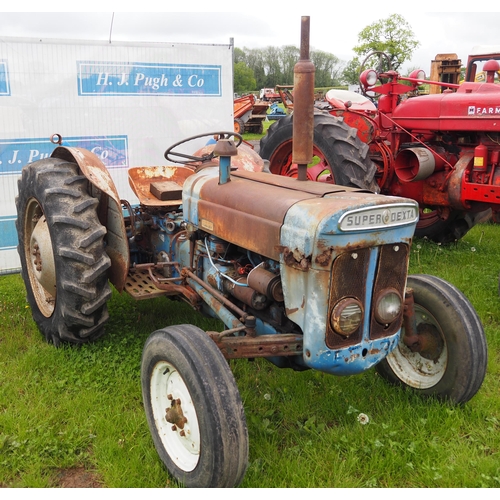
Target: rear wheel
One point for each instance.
(193, 408)
(451, 364)
(339, 156)
(239, 126)
(61, 248)
(447, 227)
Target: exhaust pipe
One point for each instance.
(303, 105)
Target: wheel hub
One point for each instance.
(423, 364)
(430, 343)
(174, 415)
(42, 256)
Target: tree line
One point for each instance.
(265, 68)
(255, 69)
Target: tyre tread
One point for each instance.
(78, 246)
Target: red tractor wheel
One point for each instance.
(447, 226)
(340, 157)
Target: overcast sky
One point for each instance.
(334, 27)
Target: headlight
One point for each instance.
(388, 306)
(368, 78)
(418, 74)
(346, 316)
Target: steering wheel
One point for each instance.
(207, 157)
(382, 64)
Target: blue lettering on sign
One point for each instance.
(115, 78)
(8, 232)
(15, 153)
(4, 78)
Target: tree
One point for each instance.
(289, 57)
(392, 35)
(239, 55)
(327, 68)
(273, 66)
(244, 80)
(255, 61)
(350, 75)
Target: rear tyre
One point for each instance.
(193, 408)
(239, 126)
(339, 156)
(455, 226)
(452, 365)
(61, 248)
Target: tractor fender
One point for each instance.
(109, 209)
(456, 180)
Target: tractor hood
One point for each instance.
(270, 214)
(473, 107)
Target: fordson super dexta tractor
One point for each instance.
(307, 275)
(441, 150)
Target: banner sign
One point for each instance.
(112, 151)
(4, 79)
(126, 102)
(105, 79)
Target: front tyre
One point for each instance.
(193, 408)
(452, 365)
(61, 248)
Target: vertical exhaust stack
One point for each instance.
(303, 104)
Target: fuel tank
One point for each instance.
(473, 107)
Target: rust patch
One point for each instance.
(296, 260)
(324, 258)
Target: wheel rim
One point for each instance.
(318, 170)
(429, 217)
(421, 370)
(179, 431)
(39, 258)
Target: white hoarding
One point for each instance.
(126, 102)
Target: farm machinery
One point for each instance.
(441, 150)
(307, 275)
(249, 114)
(448, 67)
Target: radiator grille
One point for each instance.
(391, 273)
(349, 277)
(348, 280)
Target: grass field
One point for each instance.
(75, 414)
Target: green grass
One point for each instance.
(82, 407)
(256, 137)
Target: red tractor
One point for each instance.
(442, 150)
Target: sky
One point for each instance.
(334, 28)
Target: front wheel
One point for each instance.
(193, 408)
(452, 366)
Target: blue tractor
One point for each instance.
(308, 275)
(305, 274)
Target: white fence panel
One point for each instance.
(126, 102)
